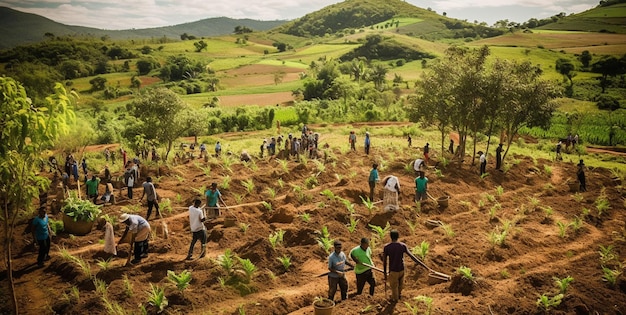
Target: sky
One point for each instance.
(137, 14)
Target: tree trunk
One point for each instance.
(443, 138)
(474, 153)
(489, 132)
(169, 147)
(8, 230)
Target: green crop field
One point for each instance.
(274, 62)
(554, 40)
(404, 21)
(313, 53)
(614, 11)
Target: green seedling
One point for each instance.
(156, 297)
(285, 261)
(422, 250)
(466, 273)
(353, 224)
(181, 280)
(563, 284)
(380, 231)
(248, 268)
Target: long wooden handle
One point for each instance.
(371, 266)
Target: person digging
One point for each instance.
(196, 224)
(213, 195)
(140, 231)
(362, 256)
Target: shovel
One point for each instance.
(434, 274)
(326, 273)
(374, 268)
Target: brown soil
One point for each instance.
(508, 279)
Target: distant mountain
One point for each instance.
(17, 28)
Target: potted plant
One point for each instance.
(323, 306)
(79, 215)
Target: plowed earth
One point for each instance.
(508, 279)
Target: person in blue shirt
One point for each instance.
(218, 149)
(42, 233)
(337, 262)
(367, 143)
(373, 179)
(213, 195)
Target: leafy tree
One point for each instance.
(529, 101)
(242, 29)
(98, 83)
(585, 57)
(566, 68)
(608, 66)
(27, 130)
(162, 117)
(200, 46)
(377, 74)
(177, 67)
(280, 46)
(145, 65)
(72, 69)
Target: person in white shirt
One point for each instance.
(196, 219)
(140, 231)
(483, 162)
(417, 165)
(391, 192)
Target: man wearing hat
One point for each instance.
(363, 255)
(580, 173)
(140, 231)
(337, 262)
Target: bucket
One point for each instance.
(76, 227)
(443, 201)
(573, 186)
(323, 307)
(230, 221)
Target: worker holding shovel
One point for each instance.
(395, 252)
(337, 262)
(362, 256)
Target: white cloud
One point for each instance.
(459, 4)
(125, 14)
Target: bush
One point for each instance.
(607, 102)
(80, 210)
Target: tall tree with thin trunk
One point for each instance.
(529, 100)
(26, 130)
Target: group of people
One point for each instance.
(363, 266)
(367, 143)
(293, 146)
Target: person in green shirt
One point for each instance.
(363, 255)
(373, 179)
(213, 195)
(421, 187)
(92, 188)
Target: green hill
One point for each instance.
(359, 14)
(17, 28)
(605, 19)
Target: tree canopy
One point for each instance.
(26, 130)
(466, 94)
